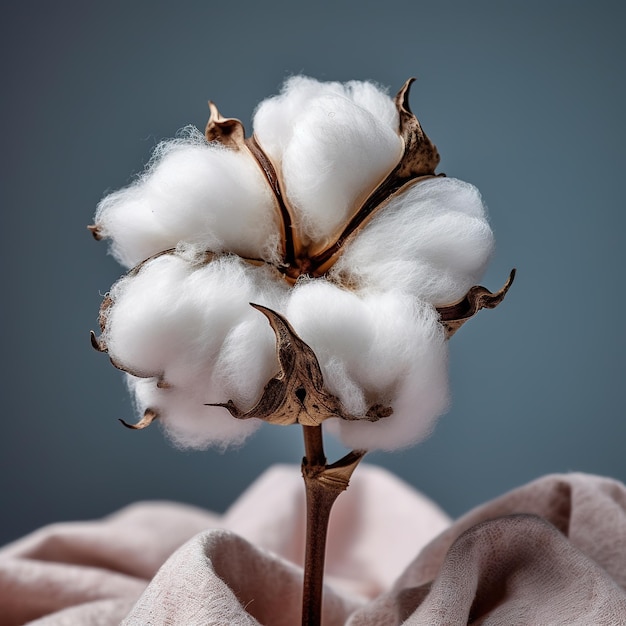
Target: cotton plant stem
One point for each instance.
(319, 501)
(323, 484)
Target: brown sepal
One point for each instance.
(291, 244)
(338, 474)
(228, 131)
(96, 344)
(455, 315)
(148, 417)
(297, 393)
(94, 229)
(420, 156)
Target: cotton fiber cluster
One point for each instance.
(196, 192)
(204, 225)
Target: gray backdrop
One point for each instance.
(524, 99)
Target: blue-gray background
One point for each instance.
(524, 99)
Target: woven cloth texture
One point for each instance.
(550, 552)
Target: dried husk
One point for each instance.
(297, 394)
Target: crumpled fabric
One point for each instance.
(548, 553)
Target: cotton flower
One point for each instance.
(330, 215)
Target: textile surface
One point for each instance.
(549, 553)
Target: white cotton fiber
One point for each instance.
(336, 325)
(433, 241)
(248, 354)
(182, 323)
(197, 192)
(338, 154)
(333, 144)
(410, 354)
(184, 416)
(275, 117)
(383, 348)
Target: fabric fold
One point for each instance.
(220, 578)
(550, 552)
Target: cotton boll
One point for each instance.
(337, 155)
(227, 198)
(171, 318)
(181, 324)
(275, 117)
(207, 344)
(333, 143)
(409, 355)
(377, 348)
(359, 341)
(197, 192)
(432, 240)
(141, 332)
(186, 419)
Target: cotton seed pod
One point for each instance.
(331, 219)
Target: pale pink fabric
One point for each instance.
(552, 552)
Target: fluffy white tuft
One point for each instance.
(433, 241)
(382, 348)
(192, 191)
(191, 327)
(185, 418)
(333, 143)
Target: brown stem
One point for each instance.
(323, 483)
(313, 447)
(319, 502)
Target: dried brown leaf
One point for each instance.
(148, 417)
(455, 315)
(297, 394)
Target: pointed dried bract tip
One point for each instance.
(420, 154)
(148, 417)
(454, 316)
(338, 474)
(297, 394)
(228, 131)
(95, 344)
(94, 229)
